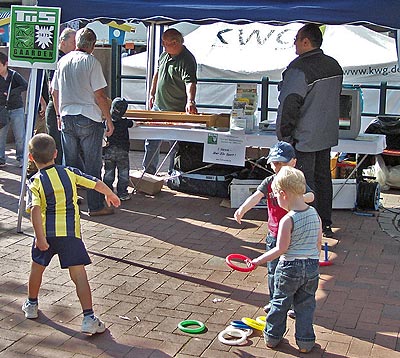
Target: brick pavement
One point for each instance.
(160, 260)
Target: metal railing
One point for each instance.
(265, 83)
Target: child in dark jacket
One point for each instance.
(116, 151)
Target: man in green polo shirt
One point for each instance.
(173, 89)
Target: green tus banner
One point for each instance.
(34, 36)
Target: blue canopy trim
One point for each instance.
(336, 12)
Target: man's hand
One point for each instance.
(109, 128)
(191, 108)
(151, 101)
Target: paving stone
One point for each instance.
(160, 260)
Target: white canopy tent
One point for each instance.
(251, 51)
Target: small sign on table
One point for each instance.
(224, 149)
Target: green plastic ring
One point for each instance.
(183, 326)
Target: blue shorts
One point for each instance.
(70, 251)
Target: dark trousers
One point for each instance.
(52, 129)
(116, 160)
(316, 169)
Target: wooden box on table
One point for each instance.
(160, 117)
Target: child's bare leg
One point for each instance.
(30, 306)
(90, 323)
(79, 277)
(35, 279)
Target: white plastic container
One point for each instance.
(344, 195)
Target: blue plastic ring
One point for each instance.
(239, 324)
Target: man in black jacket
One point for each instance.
(308, 115)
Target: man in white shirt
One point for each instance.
(80, 101)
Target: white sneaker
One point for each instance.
(267, 307)
(92, 325)
(30, 310)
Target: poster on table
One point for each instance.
(224, 149)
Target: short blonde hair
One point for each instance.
(290, 179)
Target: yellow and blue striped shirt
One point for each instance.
(54, 189)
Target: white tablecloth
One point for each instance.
(364, 144)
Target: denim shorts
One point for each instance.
(70, 250)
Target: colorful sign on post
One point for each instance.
(34, 36)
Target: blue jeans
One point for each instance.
(152, 153)
(116, 158)
(271, 265)
(17, 123)
(295, 283)
(81, 135)
(316, 167)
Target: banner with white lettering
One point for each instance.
(34, 36)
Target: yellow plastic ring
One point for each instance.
(253, 323)
(262, 320)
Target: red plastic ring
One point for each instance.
(325, 263)
(250, 266)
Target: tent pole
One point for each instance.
(154, 49)
(150, 59)
(398, 45)
(34, 93)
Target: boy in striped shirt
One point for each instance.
(52, 203)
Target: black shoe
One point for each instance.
(105, 211)
(125, 197)
(327, 231)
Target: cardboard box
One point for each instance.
(344, 195)
(222, 121)
(149, 184)
(242, 189)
